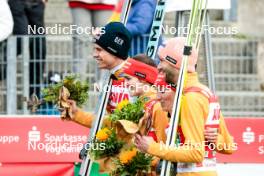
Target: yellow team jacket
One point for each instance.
(159, 117)
(194, 110)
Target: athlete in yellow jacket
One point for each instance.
(109, 55)
(138, 87)
(192, 155)
(140, 74)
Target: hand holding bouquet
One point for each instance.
(70, 88)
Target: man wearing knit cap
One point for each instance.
(111, 49)
(199, 111)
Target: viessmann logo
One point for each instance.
(55, 144)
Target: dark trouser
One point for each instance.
(31, 13)
(3, 60)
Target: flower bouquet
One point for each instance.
(131, 118)
(128, 111)
(132, 163)
(69, 88)
(104, 148)
(105, 144)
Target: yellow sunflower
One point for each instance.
(122, 104)
(126, 156)
(103, 134)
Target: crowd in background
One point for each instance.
(17, 15)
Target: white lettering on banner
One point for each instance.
(67, 138)
(261, 150)
(34, 135)
(57, 148)
(248, 136)
(55, 144)
(9, 139)
(261, 138)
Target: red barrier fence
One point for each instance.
(49, 145)
(248, 133)
(40, 140)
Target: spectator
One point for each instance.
(139, 22)
(6, 26)
(87, 14)
(6, 20)
(31, 13)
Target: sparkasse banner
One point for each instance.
(40, 140)
(52, 140)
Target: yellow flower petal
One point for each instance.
(126, 156)
(122, 104)
(103, 134)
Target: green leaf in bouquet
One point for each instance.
(78, 90)
(111, 145)
(131, 163)
(131, 111)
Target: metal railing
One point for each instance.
(3, 66)
(236, 75)
(30, 70)
(235, 62)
